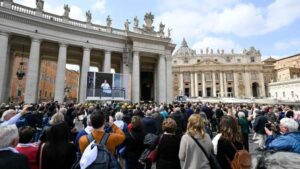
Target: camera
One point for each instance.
(268, 126)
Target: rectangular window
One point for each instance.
(252, 59)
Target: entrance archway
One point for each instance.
(255, 88)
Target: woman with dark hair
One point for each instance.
(168, 147)
(230, 141)
(134, 143)
(57, 152)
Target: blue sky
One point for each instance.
(272, 26)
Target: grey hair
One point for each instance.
(63, 110)
(119, 116)
(6, 113)
(7, 135)
(289, 123)
(57, 118)
(241, 114)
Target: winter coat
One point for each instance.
(286, 142)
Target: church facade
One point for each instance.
(217, 74)
(142, 52)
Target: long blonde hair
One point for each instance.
(196, 125)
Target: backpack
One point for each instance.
(104, 159)
(242, 159)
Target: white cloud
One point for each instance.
(77, 13)
(29, 3)
(217, 43)
(286, 45)
(99, 6)
(194, 18)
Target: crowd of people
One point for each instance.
(44, 136)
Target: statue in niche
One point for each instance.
(39, 5)
(88, 15)
(161, 28)
(67, 11)
(136, 22)
(218, 51)
(108, 21)
(211, 51)
(126, 24)
(207, 50)
(232, 51)
(201, 51)
(169, 32)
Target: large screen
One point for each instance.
(103, 86)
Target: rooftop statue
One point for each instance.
(148, 18)
(211, 51)
(67, 11)
(169, 32)
(222, 51)
(108, 21)
(88, 15)
(201, 51)
(218, 51)
(232, 51)
(136, 22)
(161, 27)
(126, 24)
(39, 5)
(207, 50)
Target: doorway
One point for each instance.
(146, 86)
(255, 89)
(208, 92)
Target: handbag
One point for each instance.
(152, 156)
(213, 162)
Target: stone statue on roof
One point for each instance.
(39, 5)
(108, 21)
(136, 22)
(148, 18)
(207, 50)
(232, 51)
(218, 51)
(88, 15)
(211, 51)
(169, 32)
(222, 51)
(161, 28)
(126, 24)
(201, 51)
(67, 11)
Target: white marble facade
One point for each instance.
(82, 43)
(287, 90)
(217, 74)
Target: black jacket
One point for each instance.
(10, 160)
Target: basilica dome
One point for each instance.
(184, 50)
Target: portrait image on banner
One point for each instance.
(90, 84)
(103, 85)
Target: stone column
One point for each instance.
(135, 96)
(221, 85)
(161, 79)
(262, 85)
(32, 80)
(203, 85)
(247, 84)
(107, 62)
(214, 84)
(169, 79)
(236, 83)
(4, 60)
(60, 74)
(126, 72)
(85, 66)
(196, 85)
(181, 87)
(225, 84)
(192, 84)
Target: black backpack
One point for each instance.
(104, 159)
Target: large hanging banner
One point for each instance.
(108, 86)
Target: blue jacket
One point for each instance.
(286, 142)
